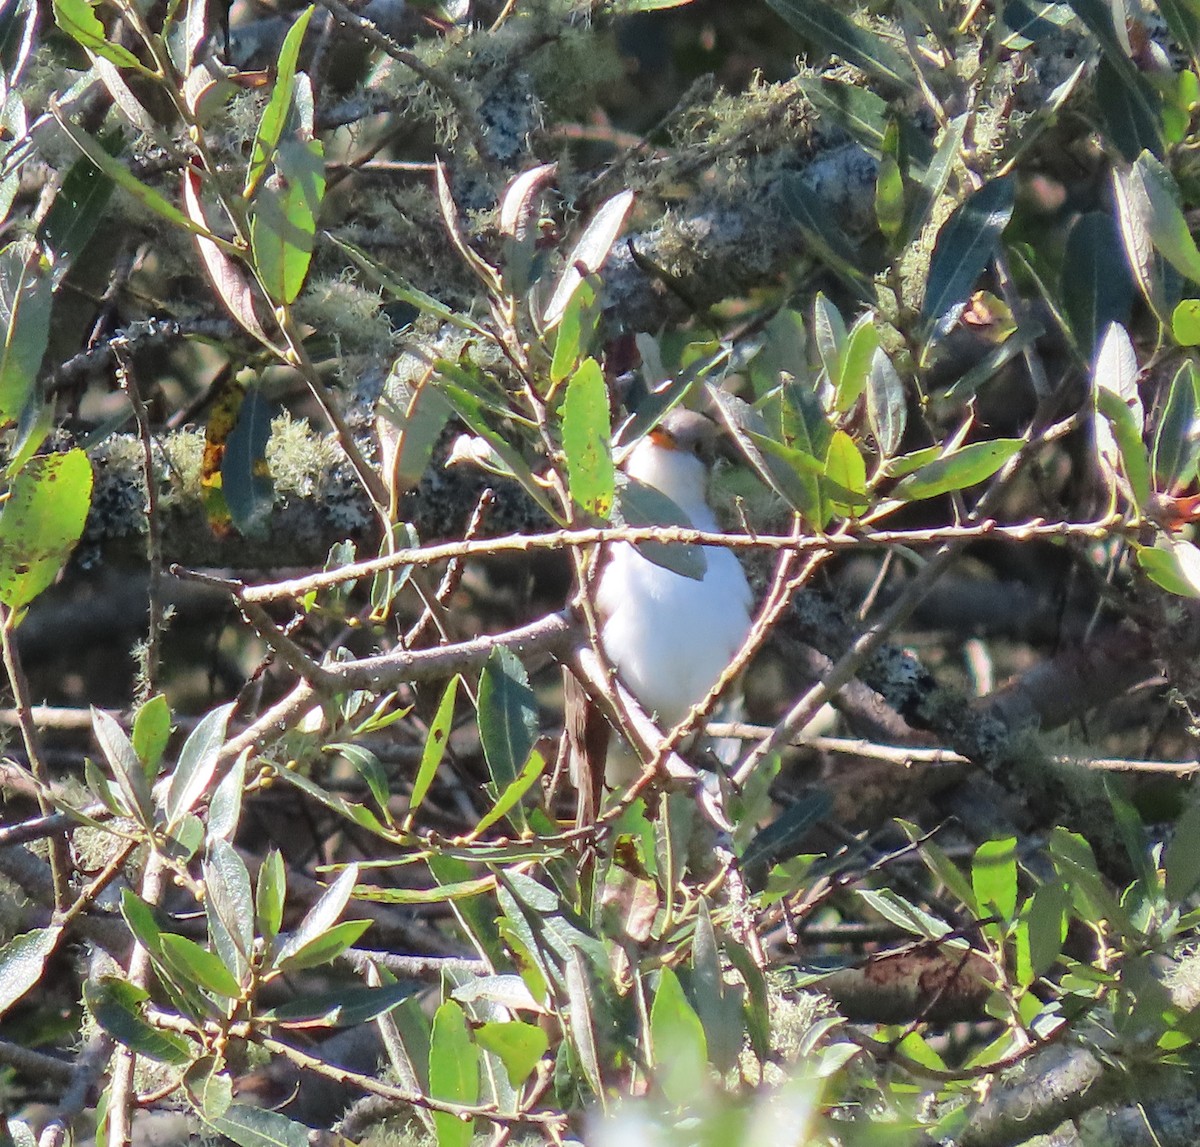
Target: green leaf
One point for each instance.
(453, 1073)
(200, 965)
(508, 719)
(197, 762)
(260, 1127)
(589, 253)
(829, 329)
(284, 222)
(638, 504)
(151, 731)
(958, 470)
(75, 213)
(209, 1086)
(1096, 286)
(889, 198)
(42, 520)
(25, 304)
(225, 808)
(1176, 450)
(680, 1058)
(511, 796)
(275, 114)
(887, 405)
(322, 915)
(1045, 920)
(964, 245)
(1185, 323)
(245, 476)
(229, 906)
(719, 1005)
(855, 362)
(1119, 433)
(847, 472)
(810, 212)
(152, 200)
(436, 744)
(126, 767)
(117, 1007)
(1154, 193)
(270, 894)
(1183, 22)
(586, 431)
(1151, 271)
(1174, 564)
(345, 1007)
(23, 962)
(575, 332)
(1130, 110)
(518, 1045)
(994, 877)
(79, 21)
(1182, 858)
(903, 913)
(370, 768)
(324, 947)
(852, 40)
(1075, 863)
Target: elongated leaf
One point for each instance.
(227, 277)
(259, 1127)
(852, 40)
(270, 894)
(78, 19)
(246, 480)
(887, 404)
(719, 1005)
(1183, 21)
(518, 1045)
(994, 877)
(322, 915)
(25, 302)
(124, 178)
(75, 213)
(229, 906)
(511, 796)
(151, 731)
(436, 743)
(274, 117)
(1096, 286)
(825, 239)
(346, 1007)
(225, 809)
(284, 222)
(453, 1072)
(1176, 449)
(1173, 564)
(586, 433)
(1154, 192)
(507, 716)
(641, 505)
(200, 965)
(589, 254)
(1130, 110)
(126, 767)
(1045, 918)
(964, 245)
(41, 523)
(677, 1036)
(855, 362)
(23, 962)
(1135, 215)
(197, 761)
(326, 946)
(903, 913)
(847, 474)
(117, 1006)
(957, 471)
(1182, 858)
(1119, 430)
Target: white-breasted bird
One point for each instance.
(668, 636)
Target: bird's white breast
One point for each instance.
(668, 636)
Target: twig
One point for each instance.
(87, 1070)
(1038, 529)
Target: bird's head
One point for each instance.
(675, 458)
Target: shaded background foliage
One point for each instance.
(306, 862)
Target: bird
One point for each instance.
(669, 637)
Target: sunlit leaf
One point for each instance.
(586, 431)
(23, 962)
(78, 19)
(274, 117)
(958, 470)
(117, 1007)
(284, 222)
(508, 718)
(680, 1048)
(589, 253)
(197, 762)
(453, 1072)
